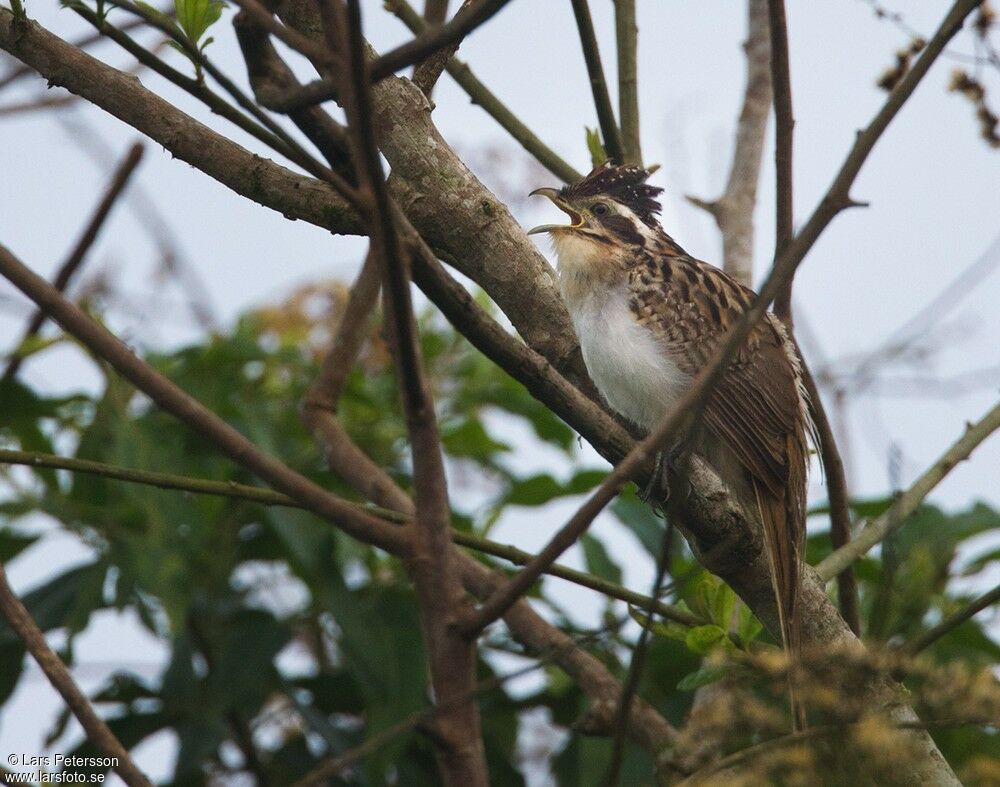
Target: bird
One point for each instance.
(649, 317)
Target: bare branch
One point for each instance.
(66, 271)
(876, 530)
(733, 211)
(784, 122)
(598, 84)
(93, 725)
(626, 36)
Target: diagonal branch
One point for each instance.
(66, 271)
(268, 497)
(878, 529)
(93, 725)
(173, 400)
(598, 84)
(952, 622)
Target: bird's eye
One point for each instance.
(600, 209)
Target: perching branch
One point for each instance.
(610, 132)
(895, 517)
(97, 731)
(66, 271)
(626, 37)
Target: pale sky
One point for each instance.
(932, 184)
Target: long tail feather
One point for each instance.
(783, 521)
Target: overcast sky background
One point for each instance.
(933, 185)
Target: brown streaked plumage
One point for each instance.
(650, 317)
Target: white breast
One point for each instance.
(624, 359)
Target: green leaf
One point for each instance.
(641, 520)
(704, 639)
(598, 560)
(598, 155)
(196, 16)
(469, 438)
(709, 673)
(538, 489)
(748, 628)
(661, 628)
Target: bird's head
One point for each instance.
(613, 207)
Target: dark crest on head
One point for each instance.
(625, 185)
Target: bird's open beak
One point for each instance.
(576, 220)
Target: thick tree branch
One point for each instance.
(66, 271)
(877, 529)
(97, 731)
(610, 132)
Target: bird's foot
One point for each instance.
(656, 491)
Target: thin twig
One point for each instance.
(951, 622)
(493, 106)
(638, 661)
(840, 504)
(626, 37)
(97, 731)
(784, 122)
(464, 22)
(76, 257)
(598, 84)
(895, 517)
